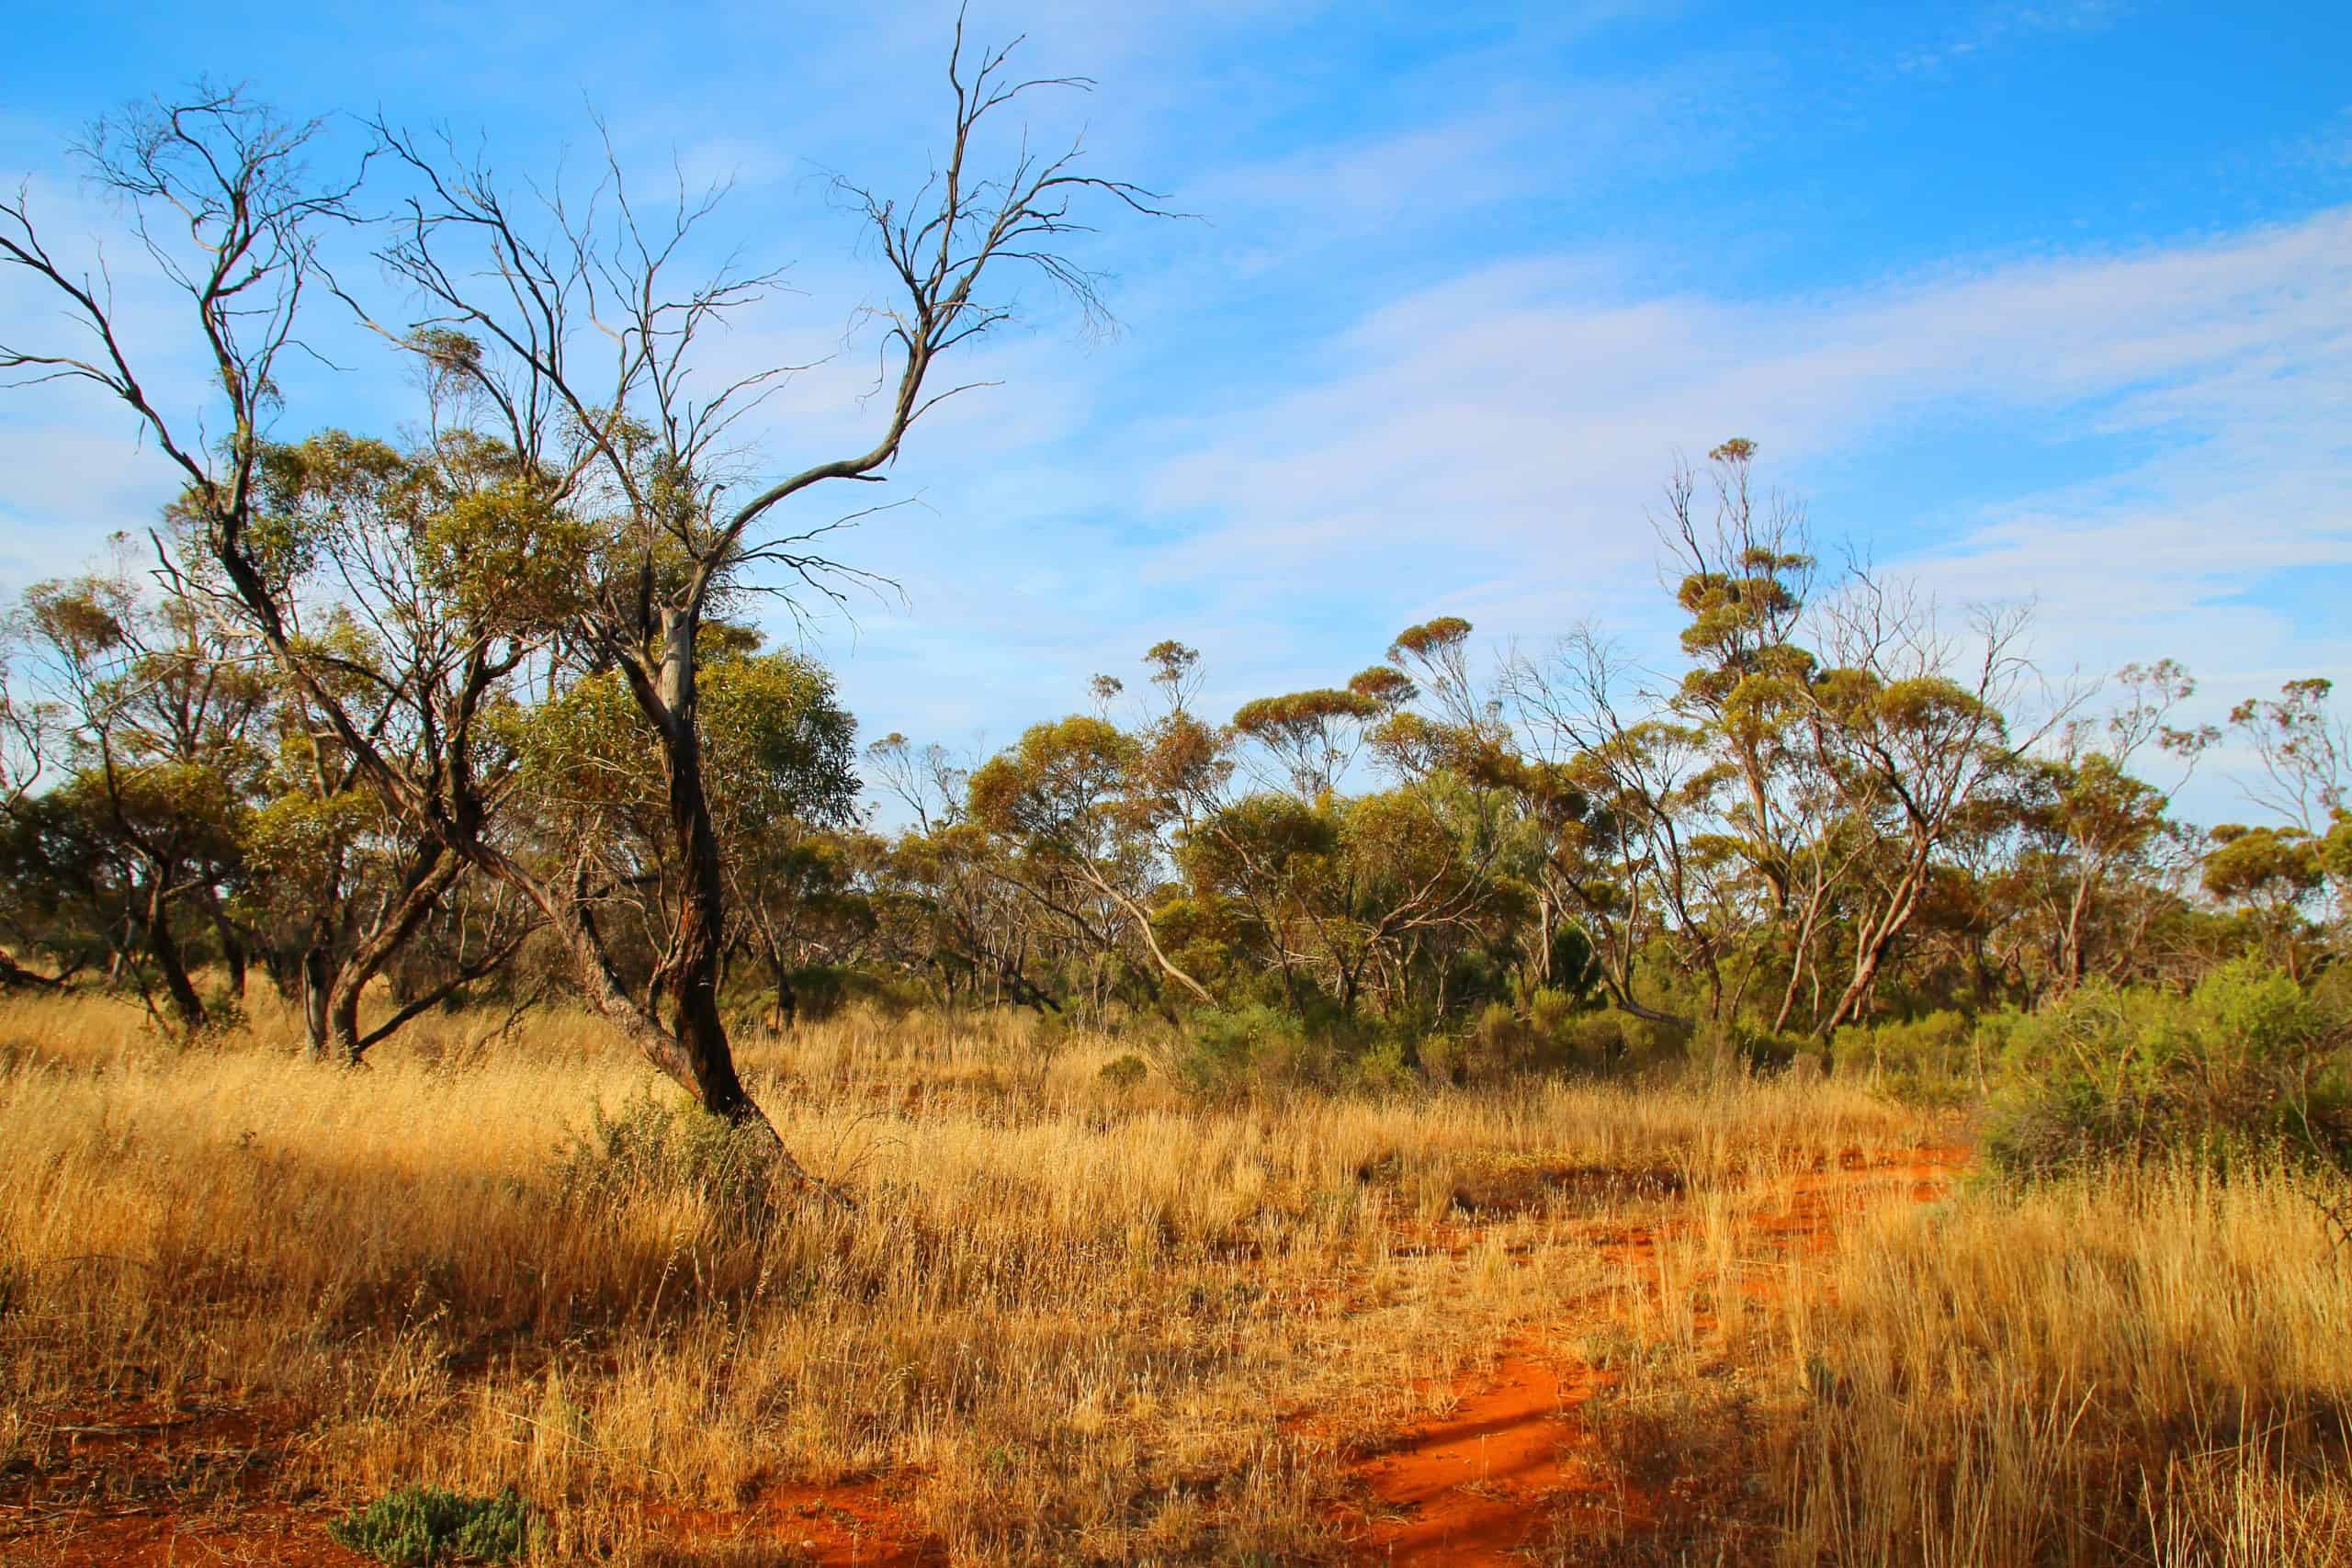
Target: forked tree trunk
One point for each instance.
(432, 871)
(1869, 953)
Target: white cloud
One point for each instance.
(1996, 24)
(1512, 424)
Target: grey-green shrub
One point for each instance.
(422, 1526)
(2248, 1064)
(1942, 1058)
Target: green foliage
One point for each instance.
(2249, 1063)
(1233, 1053)
(653, 1147)
(1551, 1033)
(1939, 1058)
(2263, 867)
(1125, 1073)
(776, 745)
(422, 1526)
(1056, 788)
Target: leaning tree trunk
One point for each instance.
(318, 981)
(164, 946)
(14, 977)
(691, 969)
(1871, 952)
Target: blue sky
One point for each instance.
(2048, 301)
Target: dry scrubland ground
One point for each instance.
(1065, 1321)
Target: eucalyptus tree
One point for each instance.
(1369, 895)
(161, 730)
(581, 340)
(27, 891)
(320, 555)
(398, 592)
(1741, 569)
(1910, 720)
(572, 340)
(1622, 788)
(2303, 750)
(777, 750)
(1083, 840)
(941, 906)
(2097, 830)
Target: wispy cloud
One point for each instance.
(1510, 426)
(1994, 27)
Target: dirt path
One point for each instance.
(1510, 1464)
(1510, 1461)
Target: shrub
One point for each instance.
(1123, 1073)
(1388, 1066)
(1938, 1059)
(1230, 1052)
(1611, 1041)
(2248, 1063)
(650, 1146)
(421, 1526)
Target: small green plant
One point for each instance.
(651, 1146)
(1234, 1053)
(1123, 1073)
(422, 1526)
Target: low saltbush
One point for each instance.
(422, 1526)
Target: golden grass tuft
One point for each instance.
(2147, 1368)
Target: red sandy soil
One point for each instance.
(120, 1488)
(855, 1524)
(852, 1526)
(1510, 1464)
(146, 1487)
(1478, 1485)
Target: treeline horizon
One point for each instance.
(475, 712)
(1839, 812)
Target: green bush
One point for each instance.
(1233, 1052)
(1737, 1048)
(2249, 1064)
(1614, 1041)
(1938, 1059)
(1548, 1033)
(652, 1146)
(1123, 1073)
(421, 1526)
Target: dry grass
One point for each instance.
(1072, 1322)
(2149, 1369)
(1065, 1321)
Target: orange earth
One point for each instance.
(1510, 1460)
